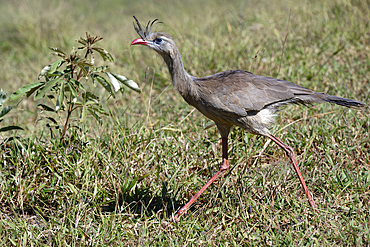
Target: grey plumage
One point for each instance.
(234, 97)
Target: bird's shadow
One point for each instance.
(141, 201)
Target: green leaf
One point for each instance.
(104, 83)
(67, 70)
(92, 76)
(90, 98)
(12, 127)
(60, 97)
(96, 116)
(56, 73)
(51, 68)
(82, 41)
(116, 83)
(5, 111)
(91, 102)
(41, 93)
(58, 51)
(29, 93)
(56, 65)
(24, 90)
(99, 109)
(129, 83)
(77, 84)
(84, 69)
(72, 89)
(83, 114)
(100, 69)
(104, 54)
(53, 120)
(45, 107)
(90, 95)
(86, 64)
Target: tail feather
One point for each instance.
(342, 101)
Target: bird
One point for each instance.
(234, 98)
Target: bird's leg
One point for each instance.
(290, 152)
(224, 167)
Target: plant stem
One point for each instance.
(70, 108)
(68, 116)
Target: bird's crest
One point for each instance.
(148, 29)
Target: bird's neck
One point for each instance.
(181, 80)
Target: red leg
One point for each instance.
(224, 167)
(291, 155)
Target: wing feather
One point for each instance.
(239, 92)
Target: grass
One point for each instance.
(118, 183)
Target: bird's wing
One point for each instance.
(239, 91)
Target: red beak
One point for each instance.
(139, 42)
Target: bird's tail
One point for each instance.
(341, 101)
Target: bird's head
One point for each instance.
(158, 41)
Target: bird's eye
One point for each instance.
(158, 41)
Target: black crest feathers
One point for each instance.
(148, 29)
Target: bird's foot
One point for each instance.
(182, 211)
